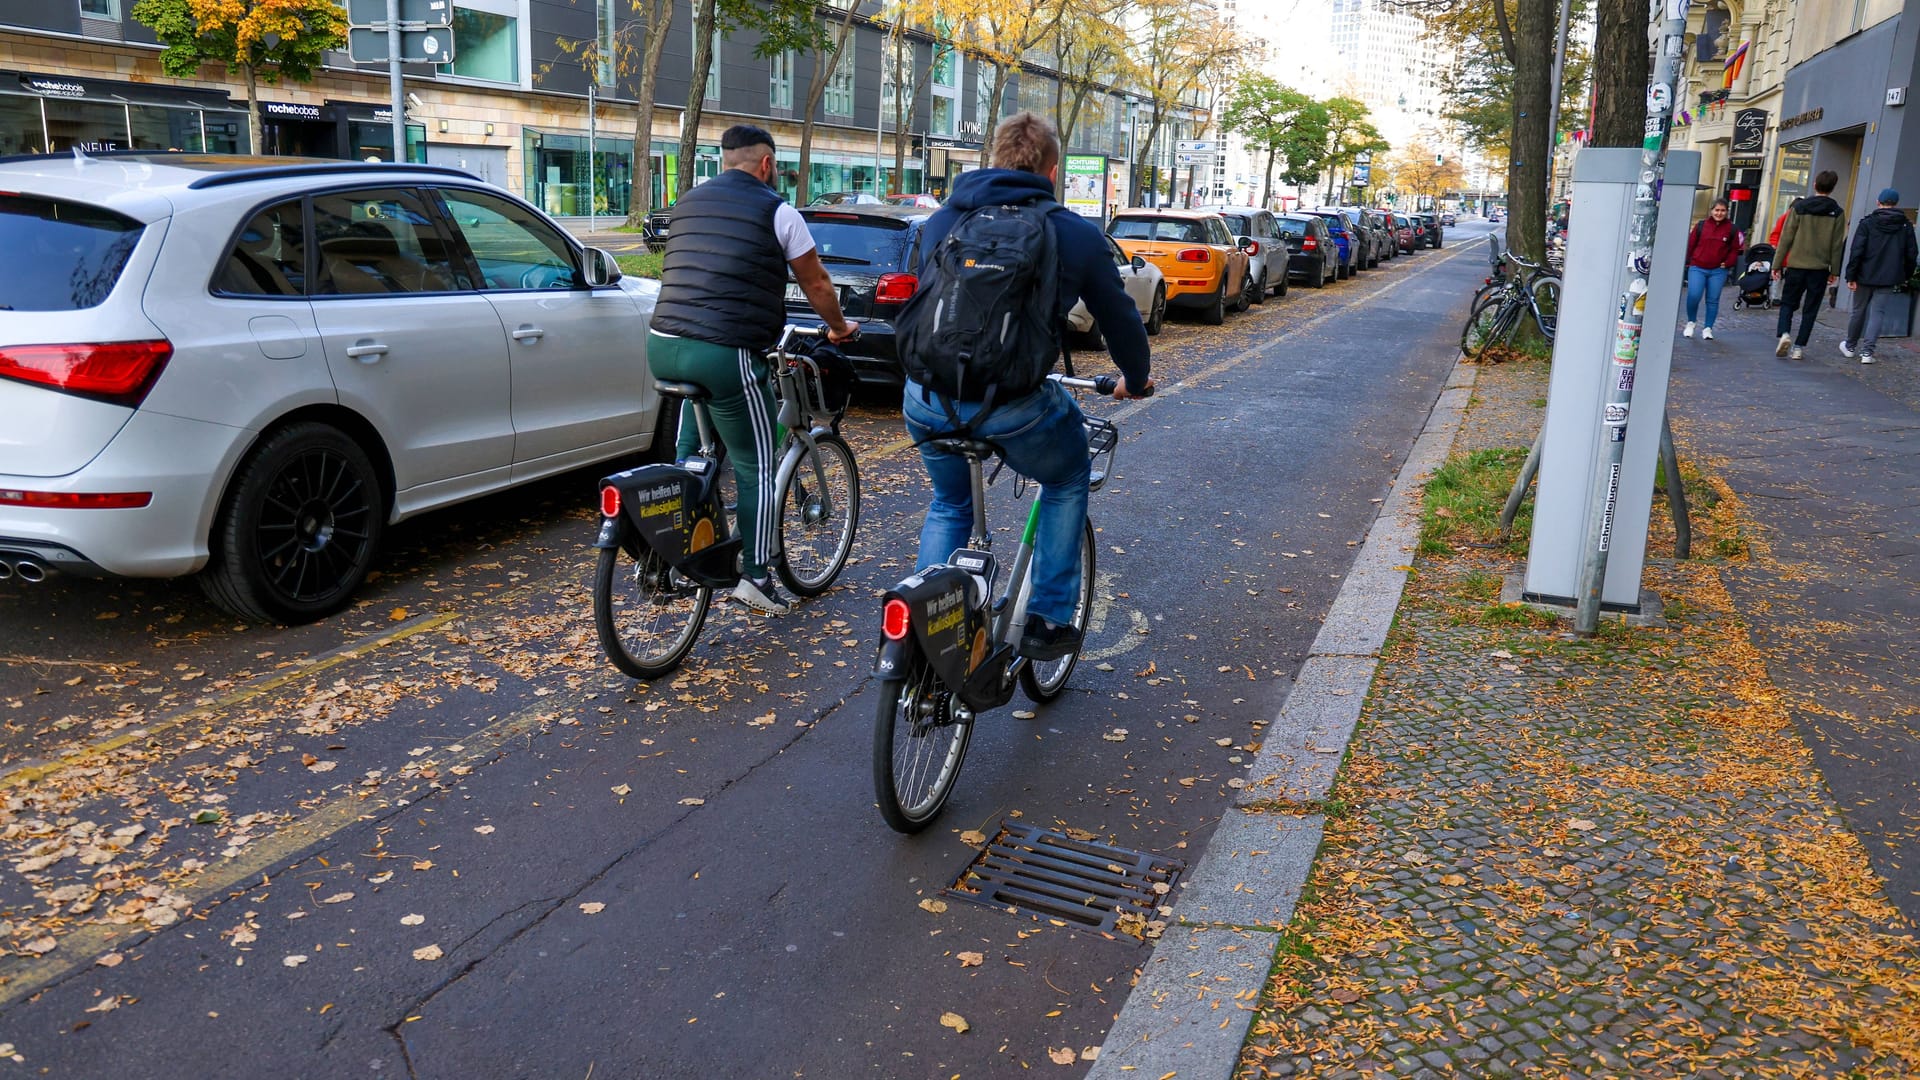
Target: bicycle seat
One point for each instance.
(966, 447)
(687, 390)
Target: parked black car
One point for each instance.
(654, 231)
(1346, 238)
(870, 250)
(1434, 229)
(1312, 254)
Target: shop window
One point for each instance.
(372, 140)
(227, 133)
(561, 181)
(486, 46)
(269, 257)
(379, 242)
(156, 127)
(780, 81)
(514, 249)
(838, 99)
(89, 125)
(20, 131)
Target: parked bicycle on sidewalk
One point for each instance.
(666, 542)
(1497, 311)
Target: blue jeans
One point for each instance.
(1042, 436)
(1699, 280)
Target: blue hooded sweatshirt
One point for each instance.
(1086, 267)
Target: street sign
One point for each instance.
(369, 46)
(1185, 158)
(1198, 146)
(372, 14)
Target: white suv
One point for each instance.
(250, 366)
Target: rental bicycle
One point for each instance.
(949, 646)
(1508, 298)
(665, 539)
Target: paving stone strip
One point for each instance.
(1552, 856)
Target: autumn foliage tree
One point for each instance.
(261, 40)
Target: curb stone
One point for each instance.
(1189, 1012)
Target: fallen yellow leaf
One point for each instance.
(970, 959)
(956, 1022)
(428, 952)
(935, 906)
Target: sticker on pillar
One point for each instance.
(1653, 127)
(1676, 9)
(1659, 97)
(1624, 383)
(1676, 46)
(1626, 342)
(1616, 413)
(1617, 433)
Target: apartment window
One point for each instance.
(896, 76)
(780, 81)
(838, 100)
(713, 64)
(608, 20)
(946, 67)
(486, 45)
(101, 9)
(984, 95)
(943, 115)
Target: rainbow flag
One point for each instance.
(1733, 65)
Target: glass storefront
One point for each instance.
(50, 114)
(1796, 176)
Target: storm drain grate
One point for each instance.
(1049, 873)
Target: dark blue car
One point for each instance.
(1343, 239)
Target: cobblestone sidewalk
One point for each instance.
(1548, 856)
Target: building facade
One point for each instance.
(1845, 102)
(513, 105)
(1738, 55)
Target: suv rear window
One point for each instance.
(1293, 227)
(1176, 230)
(850, 240)
(61, 256)
(1238, 224)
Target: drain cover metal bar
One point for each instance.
(1046, 872)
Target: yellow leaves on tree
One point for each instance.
(257, 24)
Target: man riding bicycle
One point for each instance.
(1041, 433)
(722, 306)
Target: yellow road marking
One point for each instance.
(29, 773)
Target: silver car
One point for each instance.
(1258, 232)
(249, 367)
(1144, 283)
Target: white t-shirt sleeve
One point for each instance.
(792, 232)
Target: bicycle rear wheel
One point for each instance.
(1484, 325)
(817, 520)
(918, 745)
(1546, 304)
(648, 616)
(1043, 680)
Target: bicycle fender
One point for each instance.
(895, 658)
(946, 628)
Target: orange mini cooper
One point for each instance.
(1206, 270)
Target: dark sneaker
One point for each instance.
(761, 596)
(1045, 639)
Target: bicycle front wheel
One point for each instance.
(918, 745)
(1043, 680)
(819, 512)
(1484, 325)
(648, 616)
(1546, 304)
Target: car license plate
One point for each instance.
(796, 294)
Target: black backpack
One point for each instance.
(984, 325)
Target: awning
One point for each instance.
(78, 88)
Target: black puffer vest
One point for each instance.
(725, 277)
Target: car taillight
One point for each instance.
(118, 372)
(893, 620)
(609, 501)
(895, 288)
(1309, 244)
(1195, 255)
(77, 500)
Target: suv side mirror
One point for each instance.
(1245, 242)
(599, 268)
(1139, 263)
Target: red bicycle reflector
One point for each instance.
(1195, 255)
(609, 501)
(895, 288)
(77, 500)
(894, 622)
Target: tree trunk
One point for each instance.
(1266, 186)
(640, 200)
(1534, 26)
(992, 119)
(1620, 73)
(254, 132)
(823, 69)
(703, 14)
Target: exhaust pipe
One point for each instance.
(6, 569)
(30, 571)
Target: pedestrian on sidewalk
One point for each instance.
(1881, 259)
(1713, 247)
(1808, 260)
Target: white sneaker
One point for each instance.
(1846, 348)
(1866, 358)
(1707, 333)
(1688, 332)
(1798, 353)
(1785, 343)
(761, 596)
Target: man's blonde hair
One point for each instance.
(1025, 141)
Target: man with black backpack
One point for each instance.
(1002, 263)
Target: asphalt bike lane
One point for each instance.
(675, 891)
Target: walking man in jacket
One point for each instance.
(1881, 258)
(722, 305)
(1811, 247)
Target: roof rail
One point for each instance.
(277, 172)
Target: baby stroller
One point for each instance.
(1755, 283)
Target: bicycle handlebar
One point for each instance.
(794, 330)
(1103, 385)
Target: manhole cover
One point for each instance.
(1045, 872)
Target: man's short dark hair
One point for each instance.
(740, 136)
(1825, 182)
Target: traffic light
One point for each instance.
(1439, 159)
